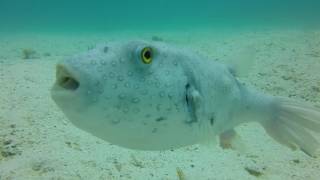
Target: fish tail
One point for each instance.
(293, 123)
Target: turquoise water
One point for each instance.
(104, 15)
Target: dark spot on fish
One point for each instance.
(121, 60)
(158, 107)
(105, 49)
(212, 120)
(175, 63)
(115, 121)
(125, 110)
(187, 99)
(232, 71)
(120, 78)
(154, 130)
(121, 96)
(117, 107)
(160, 119)
(177, 107)
(156, 38)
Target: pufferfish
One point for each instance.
(155, 96)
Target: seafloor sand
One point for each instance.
(38, 142)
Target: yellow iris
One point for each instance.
(146, 55)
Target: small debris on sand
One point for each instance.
(29, 53)
(253, 172)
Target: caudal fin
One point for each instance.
(292, 125)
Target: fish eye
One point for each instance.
(146, 55)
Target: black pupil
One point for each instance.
(147, 54)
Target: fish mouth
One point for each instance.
(65, 80)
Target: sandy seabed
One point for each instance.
(38, 142)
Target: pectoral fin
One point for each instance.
(193, 102)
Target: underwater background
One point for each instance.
(37, 141)
(106, 15)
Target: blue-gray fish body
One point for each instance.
(153, 96)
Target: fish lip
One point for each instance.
(60, 94)
(65, 79)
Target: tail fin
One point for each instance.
(292, 124)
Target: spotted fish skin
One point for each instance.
(179, 99)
